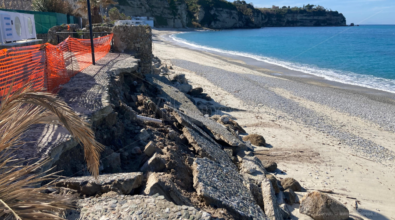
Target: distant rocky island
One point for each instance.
(221, 14)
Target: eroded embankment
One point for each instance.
(163, 157)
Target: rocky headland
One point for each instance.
(220, 14)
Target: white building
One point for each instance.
(137, 21)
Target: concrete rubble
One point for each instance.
(135, 207)
(223, 186)
(123, 183)
(188, 166)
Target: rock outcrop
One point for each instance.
(219, 14)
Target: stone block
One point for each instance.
(155, 164)
(272, 209)
(123, 183)
(150, 148)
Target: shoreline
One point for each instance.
(316, 130)
(284, 72)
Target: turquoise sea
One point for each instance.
(361, 55)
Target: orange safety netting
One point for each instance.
(47, 66)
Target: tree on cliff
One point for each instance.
(16, 4)
(58, 6)
(95, 8)
(114, 15)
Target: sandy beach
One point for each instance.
(329, 136)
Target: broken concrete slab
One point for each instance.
(133, 207)
(155, 164)
(123, 183)
(256, 193)
(218, 131)
(162, 184)
(150, 148)
(272, 209)
(171, 94)
(223, 187)
(188, 122)
(206, 149)
(252, 165)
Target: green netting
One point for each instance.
(45, 20)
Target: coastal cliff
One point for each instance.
(218, 14)
(287, 17)
(221, 14)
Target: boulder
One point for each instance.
(291, 183)
(185, 88)
(144, 135)
(155, 164)
(320, 206)
(237, 127)
(162, 184)
(270, 166)
(255, 139)
(222, 187)
(123, 183)
(150, 148)
(178, 77)
(196, 91)
(272, 209)
(224, 119)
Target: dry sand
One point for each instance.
(317, 160)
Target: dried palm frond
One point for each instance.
(19, 199)
(27, 107)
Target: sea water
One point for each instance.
(360, 55)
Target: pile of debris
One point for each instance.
(167, 159)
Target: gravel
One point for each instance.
(256, 90)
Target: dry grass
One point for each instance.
(18, 197)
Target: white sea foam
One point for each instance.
(368, 81)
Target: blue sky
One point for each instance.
(355, 11)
